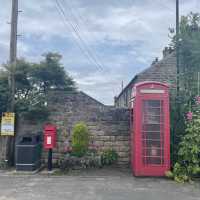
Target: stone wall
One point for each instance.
(108, 126)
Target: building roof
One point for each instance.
(161, 71)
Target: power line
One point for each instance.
(77, 19)
(65, 22)
(74, 38)
(83, 48)
(165, 6)
(159, 2)
(79, 16)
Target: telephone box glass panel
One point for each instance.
(152, 132)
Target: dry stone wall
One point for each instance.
(108, 126)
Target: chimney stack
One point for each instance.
(155, 61)
(167, 51)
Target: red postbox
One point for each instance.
(150, 134)
(49, 136)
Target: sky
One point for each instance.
(103, 42)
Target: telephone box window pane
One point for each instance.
(152, 132)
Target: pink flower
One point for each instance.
(189, 116)
(197, 100)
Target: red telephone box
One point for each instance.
(150, 137)
(49, 136)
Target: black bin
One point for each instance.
(28, 152)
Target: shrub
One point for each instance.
(109, 156)
(169, 174)
(80, 139)
(72, 162)
(3, 164)
(188, 164)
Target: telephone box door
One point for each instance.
(151, 134)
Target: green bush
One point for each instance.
(188, 164)
(3, 164)
(169, 174)
(80, 139)
(109, 156)
(72, 162)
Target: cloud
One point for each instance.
(121, 36)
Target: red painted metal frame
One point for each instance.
(138, 167)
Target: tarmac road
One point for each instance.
(103, 187)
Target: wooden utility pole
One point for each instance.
(198, 84)
(177, 49)
(10, 141)
(177, 102)
(13, 52)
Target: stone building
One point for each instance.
(161, 71)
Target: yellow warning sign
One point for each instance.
(8, 124)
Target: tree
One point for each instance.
(33, 82)
(186, 133)
(4, 91)
(50, 74)
(189, 43)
